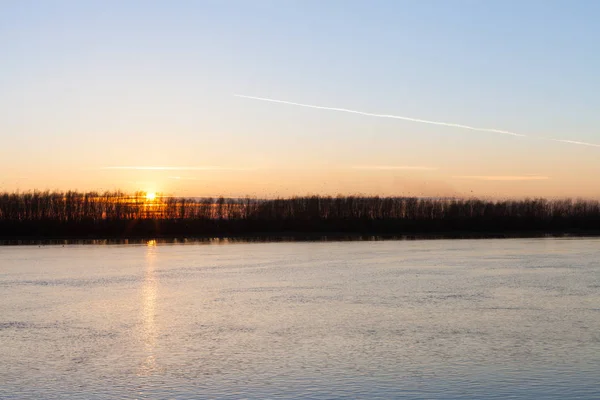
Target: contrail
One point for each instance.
(574, 142)
(423, 121)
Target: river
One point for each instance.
(421, 319)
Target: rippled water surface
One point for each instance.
(439, 319)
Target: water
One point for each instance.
(439, 319)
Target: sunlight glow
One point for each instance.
(150, 196)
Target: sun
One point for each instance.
(150, 196)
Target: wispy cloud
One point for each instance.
(393, 167)
(199, 168)
(183, 178)
(411, 119)
(503, 177)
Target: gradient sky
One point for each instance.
(90, 89)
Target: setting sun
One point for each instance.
(150, 196)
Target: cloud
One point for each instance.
(183, 178)
(200, 168)
(422, 121)
(393, 168)
(502, 177)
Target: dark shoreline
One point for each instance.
(40, 217)
(291, 237)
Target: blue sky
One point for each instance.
(89, 85)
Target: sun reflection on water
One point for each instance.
(149, 332)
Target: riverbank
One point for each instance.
(288, 237)
(115, 215)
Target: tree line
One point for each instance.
(118, 214)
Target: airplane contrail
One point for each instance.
(423, 121)
(574, 142)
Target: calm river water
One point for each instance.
(432, 319)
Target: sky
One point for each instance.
(141, 95)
